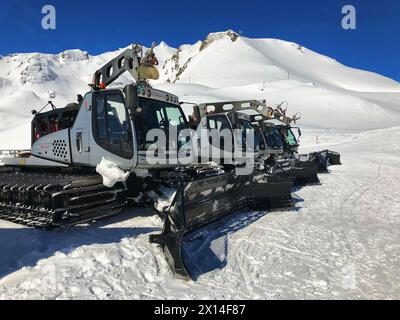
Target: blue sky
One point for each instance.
(98, 26)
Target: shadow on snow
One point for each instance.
(204, 250)
(21, 247)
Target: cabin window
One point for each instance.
(112, 127)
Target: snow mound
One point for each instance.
(111, 173)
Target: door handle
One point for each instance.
(79, 144)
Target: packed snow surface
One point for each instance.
(341, 242)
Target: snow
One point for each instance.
(163, 198)
(341, 242)
(163, 51)
(320, 108)
(111, 173)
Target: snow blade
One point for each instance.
(270, 192)
(324, 159)
(198, 203)
(203, 201)
(321, 160)
(333, 157)
(170, 239)
(305, 173)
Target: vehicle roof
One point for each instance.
(147, 91)
(275, 122)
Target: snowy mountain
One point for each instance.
(341, 241)
(223, 66)
(227, 59)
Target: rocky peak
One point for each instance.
(212, 37)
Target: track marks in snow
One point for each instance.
(343, 242)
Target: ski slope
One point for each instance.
(342, 242)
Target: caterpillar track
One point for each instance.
(45, 200)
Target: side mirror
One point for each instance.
(131, 98)
(34, 112)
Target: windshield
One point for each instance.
(273, 138)
(290, 138)
(157, 115)
(258, 139)
(247, 130)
